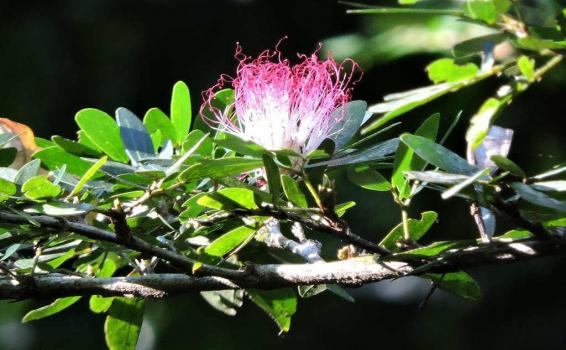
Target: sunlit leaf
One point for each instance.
(87, 176)
(279, 304)
(457, 283)
(220, 168)
(293, 191)
(527, 67)
(102, 131)
(181, 113)
(40, 187)
(417, 229)
(229, 241)
(446, 70)
(229, 198)
(155, 120)
(123, 323)
(49, 310)
(368, 178)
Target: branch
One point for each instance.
(133, 243)
(352, 272)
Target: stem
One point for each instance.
(553, 62)
(405, 218)
(312, 190)
(412, 11)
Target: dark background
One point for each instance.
(57, 57)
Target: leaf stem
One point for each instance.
(312, 190)
(405, 218)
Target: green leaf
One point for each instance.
(103, 132)
(205, 147)
(49, 310)
(437, 155)
(123, 323)
(310, 291)
(156, 140)
(193, 208)
(368, 178)
(87, 176)
(350, 117)
(547, 186)
(220, 168)
(55, 157)
(135, 136)
(477, 44)
(446, 70)
(436, 177)
(85, 141)
(155, 120)
(417, 229)
(7, 188)
(457, 283)
(481, 122)
(246, 148)
(279, 304)
(219, 102)
(7, 156)
(98, 304)
(110, 264)
(74, 147)
(65, 209)
(398, 104)
(185, 158)
(527, 67)
(293, 191)
(508, 165)
(434, 249)
(341, 208)
(40, 187)
(405, 159)
(515, 234)
(452, 191)
(225, 301)
(533, 196)
(229, 198)
(229, 241)
(484, 10)
(374, 153)
(273, 177)
(27, 171)
(181, 113)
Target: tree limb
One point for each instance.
(352, 272)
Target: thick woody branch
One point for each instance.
(352, 272)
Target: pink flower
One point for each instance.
(282, 106)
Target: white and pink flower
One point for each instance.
(282, 106)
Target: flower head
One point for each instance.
(283, 106)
